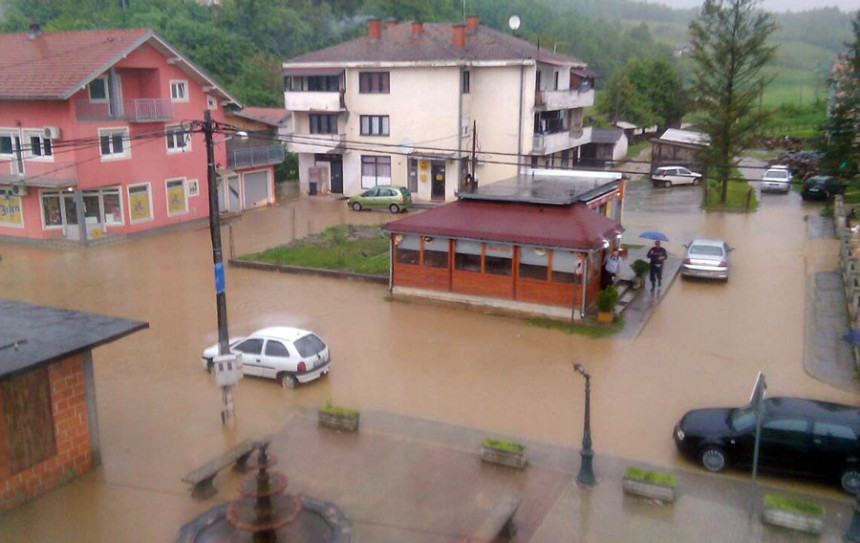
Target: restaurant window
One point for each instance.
(534, 263)
(564, 267)
(498, 259)
(435, 252)
(408, 249)
(467, 255)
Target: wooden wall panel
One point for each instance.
(421, 277)
(494, 286)
(544, 292)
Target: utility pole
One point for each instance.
(474, 156)
(617, 101)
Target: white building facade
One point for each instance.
(399, 107)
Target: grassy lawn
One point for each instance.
(346, 247)
(736, 196)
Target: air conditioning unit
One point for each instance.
(52, 132)
(18, 190)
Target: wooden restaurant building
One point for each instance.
(532, 244)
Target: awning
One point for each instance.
(37, 181)
(433, 156)
(313, 71)
(582, 72)
(224, 172)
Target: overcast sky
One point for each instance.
(775, 5)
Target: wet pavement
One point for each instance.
(702, 346)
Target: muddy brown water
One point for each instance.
(159, 411)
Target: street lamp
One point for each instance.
(586, 472)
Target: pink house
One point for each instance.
(94, 138)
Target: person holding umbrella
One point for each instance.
(656, 256)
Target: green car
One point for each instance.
(396, 199)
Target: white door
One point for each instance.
(256, 189)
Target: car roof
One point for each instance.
(779, 167)
(786, 407)
(281, 332)
(705, 241)
(668, 167)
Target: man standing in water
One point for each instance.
(656, 256)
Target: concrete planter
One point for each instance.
(504, 457)
(794, 520)
(606, 317)
(344, 423)
(652, 491)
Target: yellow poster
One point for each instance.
(10, 211)
(139, 203)
(176, 199)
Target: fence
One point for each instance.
(849, 253)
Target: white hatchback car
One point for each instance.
(777, 179)
(289, 355)
(706, 258)
(666, 176)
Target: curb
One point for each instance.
(299, 270)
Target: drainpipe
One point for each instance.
(390, 263)
(584, 284)
(81, 217)
(520, 125)
(459, 130)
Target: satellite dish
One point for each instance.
(514, 22)
(406, 146)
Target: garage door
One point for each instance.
(256, 188)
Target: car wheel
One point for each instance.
(394, 209)
(667, 184)
(850, 480)
(356, 206)
(713, 459)
(288, 381)
(696, 181)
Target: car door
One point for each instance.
(785, 444)
(251, 350)
(684, 176)
(276, 358)
(833, 446)
(370, 198)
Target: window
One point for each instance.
(178, 140)
(139, 206)
(375, 170)
(834, 431)
(325, 83)
(467, 255)
(113, 143)
(6, 147)
(534, 263)
(250, 346)
(373, 83)
(51, 209)
(465, 126)
(179, 91)
(309, 345)
(435, 252)
(407, 249)
(211, 103)
(39, 145)
(276, 348)
(466, 81)
(498, 259)
(323, 123)
(374, 125)
(785, 427)
(176, 201)
(556, 81)
(193, 187)
(101, 206)
(742, 419)
(564, 267)
(111, 206)
(98, 90)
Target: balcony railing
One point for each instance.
(551, 100)
(547, 144)
(316, 143)
(255, 156)
(314, 100)
(138, 110)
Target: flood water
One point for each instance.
(159, 411)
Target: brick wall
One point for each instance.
(71, 431)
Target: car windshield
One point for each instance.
(309, 345)
(742, 418)
(777, 174)
(706, 250)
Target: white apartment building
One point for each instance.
(398, 107)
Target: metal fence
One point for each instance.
(255, 156)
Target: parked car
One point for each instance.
(289, 355)
(821, 187)
(706, 258)
(666, 176)
(798, 436)
(776, 179)
(396, 199)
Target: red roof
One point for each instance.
(267, 115)
(55, 65)
(435, 43)
(571, 227)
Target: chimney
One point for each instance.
(472, 23)
(417, 28)
(35, 31)
(374, 29)
(460, 36)
(390, 23)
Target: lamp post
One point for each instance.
(586, 472)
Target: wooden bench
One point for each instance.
(201, 478)
(500, 524)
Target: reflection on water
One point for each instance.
(159, 412)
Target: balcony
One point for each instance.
(547, 144)
(138, 110)
(314, 101)
(316, 143)
(255, 156)
(553, 100)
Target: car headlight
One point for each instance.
(679, 434)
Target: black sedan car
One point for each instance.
(798, 436)
(821, 187)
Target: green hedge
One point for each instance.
(654, 477)
(504, 445)
(793, 505)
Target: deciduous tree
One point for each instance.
(842, 128)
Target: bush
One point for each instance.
(503, 445)
(331, 409)
(640, 267)
(793, 505)
(654, 477)
(606, 299)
